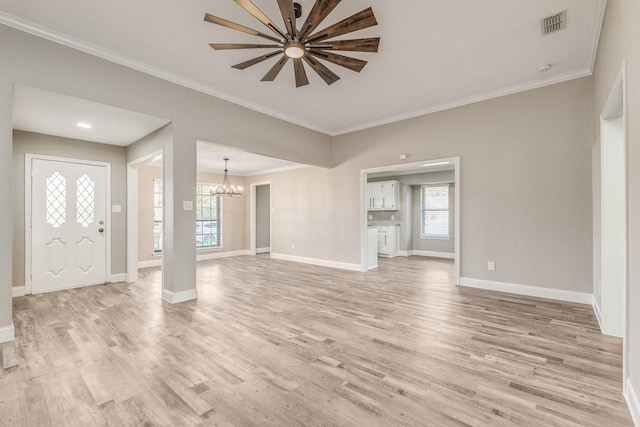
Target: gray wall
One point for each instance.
(33, 143)
(43, 64)
(509, 162)
(263, 216)
(619, 40)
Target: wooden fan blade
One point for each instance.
(260, 16)
(327, 75)
(257, 60)
(273, 72)
(356, 45)
(227, 46)
(344, 61)
(301, 74)
(223, 22)
(320, 10)
(289, 16)
(359, 21)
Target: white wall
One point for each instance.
(27, 142)
(620, 40)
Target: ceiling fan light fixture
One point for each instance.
(304, 41)
(294, 49)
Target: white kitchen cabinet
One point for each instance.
(388, 241)
(383, 195)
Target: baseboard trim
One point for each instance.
(119, 277)
(319, 262)
(18, 291)
(263, 250)
(7, 334)
(432, 254)
(150, 263)
(530, 291)
(633, 402)
(597, 311)
(218, 255)
(178, 297)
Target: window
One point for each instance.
(208, 217)
(435, 211)
(157, 215)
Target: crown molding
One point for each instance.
(467, 101)
(74, 43)
(600, 8)
(82, 46)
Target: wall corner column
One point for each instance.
(179, 249)
(6, 220)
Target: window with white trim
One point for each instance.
(208, 217)
(157, 215)
(435, 211)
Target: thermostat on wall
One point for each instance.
(187, 205)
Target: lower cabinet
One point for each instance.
(388, 241)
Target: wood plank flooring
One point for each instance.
(273, 343)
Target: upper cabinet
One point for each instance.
(383, 195)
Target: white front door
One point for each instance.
(68, 225)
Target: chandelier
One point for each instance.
(226, 189)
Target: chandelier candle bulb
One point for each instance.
(226, 189)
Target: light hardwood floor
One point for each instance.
(273, 343)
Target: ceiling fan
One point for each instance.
(304, 43)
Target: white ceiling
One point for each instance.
(40, 111)
(48, 113)
(210, 159)
(433, 55)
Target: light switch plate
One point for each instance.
(116, 208)
(187, 205)
(491, 266)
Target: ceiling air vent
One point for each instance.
(554, 23)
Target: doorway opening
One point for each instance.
(611, 291)
(411, 209)
(260, 218)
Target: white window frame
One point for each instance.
(423, 234)
(155, 181)
(220, 219)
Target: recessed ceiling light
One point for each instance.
(544, 68)
(83, 125)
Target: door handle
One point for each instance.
(101, 230)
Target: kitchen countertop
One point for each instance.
(378, 223)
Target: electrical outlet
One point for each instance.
(370, 217)
(293, 246)
(491, 266)
(393, 217)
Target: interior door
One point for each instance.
(68, 225)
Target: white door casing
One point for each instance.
(68, 224)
